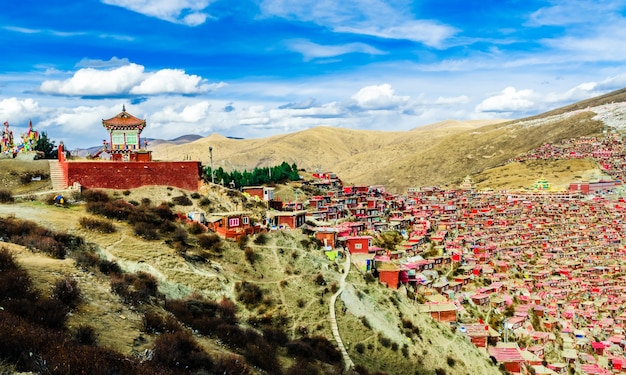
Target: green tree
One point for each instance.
(45, 145)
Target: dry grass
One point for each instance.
(438, 154)
(286, 272)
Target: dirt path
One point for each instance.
(347, 361)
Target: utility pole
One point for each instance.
(211, 158)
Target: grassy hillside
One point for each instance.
(279, 286)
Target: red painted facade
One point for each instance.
(130, 175)
(232, 225)
(390, 277)
(359, 244)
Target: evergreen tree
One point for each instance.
(45, 145)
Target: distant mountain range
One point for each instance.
(84, 152)
(438, 154)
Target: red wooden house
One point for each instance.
(290, 219)
(327, 236)
(480, 299)
(231, 225)
(510, 358)
(477, 333)
(389, 274)
(264, 193)
(359, 244)
(442, 312)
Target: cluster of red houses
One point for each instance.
(547, 257)
(608, 151)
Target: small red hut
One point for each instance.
(359, 244)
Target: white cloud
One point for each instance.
(366, 17)
(187, 12)
(378, 97)
(573, 12)
(79, 121)
(509, 100)
(312, 50)
(427, 32)
(173, 81)
(128, 79)
(191, 113)
(17, 110)
(451, 100)
(93, 82)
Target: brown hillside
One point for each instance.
(438, 154)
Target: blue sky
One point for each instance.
(263, 67)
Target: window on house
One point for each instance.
(233, 222)
(245, 220)
(132, 138)
(358, 246)
(117, 138)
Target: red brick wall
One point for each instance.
(129, 175)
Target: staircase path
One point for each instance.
(56, 175)
(347, 361)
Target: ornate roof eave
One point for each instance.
(124, 121)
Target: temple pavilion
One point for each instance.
(125, 138)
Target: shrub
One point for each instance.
(316, 347)
(117, 209)
(179, 350)
(319, 279)
(153, 322)
(195, 195)
(201, 314)
(275, 336)
(126, 192)
(250, 294)
(195, 228)
(450, 361)
(233, 364)
(360, 348)
(145, 231)
(227, 310)
(109, 267)
(96, 225)
(242, 242)
(405, 350)
(210, 241)
(67, 291)
(384, 341)
(180, 235)
(135, 288)
(250, 255)
(95, 196)
(85, 335)
(6, 196)
(261, 239)
(182, 200)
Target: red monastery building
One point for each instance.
(131, 166)
(125, 137)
